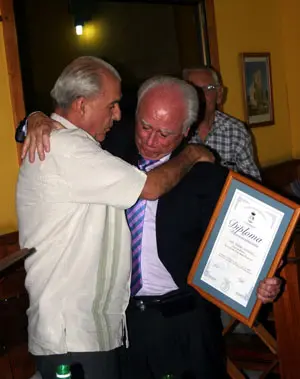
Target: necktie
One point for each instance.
(135, 217)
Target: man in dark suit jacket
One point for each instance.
(172, 329)
(178, 332)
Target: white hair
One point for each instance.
(215, 75)
(81, 78)
(189, 95)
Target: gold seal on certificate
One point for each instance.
(243, 244)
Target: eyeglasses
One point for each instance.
(209, 87)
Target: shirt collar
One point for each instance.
(218, 124)
(68, 125)
(161, 160)
(165, 158)
(157, 163)
(215, 125)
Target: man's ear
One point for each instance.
(79, 105)
(186, 132)
(220, 95)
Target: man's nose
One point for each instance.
(117, 113)
(151, 139)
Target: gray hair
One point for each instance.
(189, 95)
(81, 78)
(214, 73)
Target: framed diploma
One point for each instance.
(243, 244)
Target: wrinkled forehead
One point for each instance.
(160, 120)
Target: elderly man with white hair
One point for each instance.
(172, 329)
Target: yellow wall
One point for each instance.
(8, 152)
(258, 26)
(290, 10)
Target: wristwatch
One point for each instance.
(21, 131)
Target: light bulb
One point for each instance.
(79, 30)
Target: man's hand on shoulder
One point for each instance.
(39, 128)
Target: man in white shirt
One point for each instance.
(71, 209)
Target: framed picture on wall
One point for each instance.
(257, 88)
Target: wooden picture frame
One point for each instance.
(257, 89)
(243, 244)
